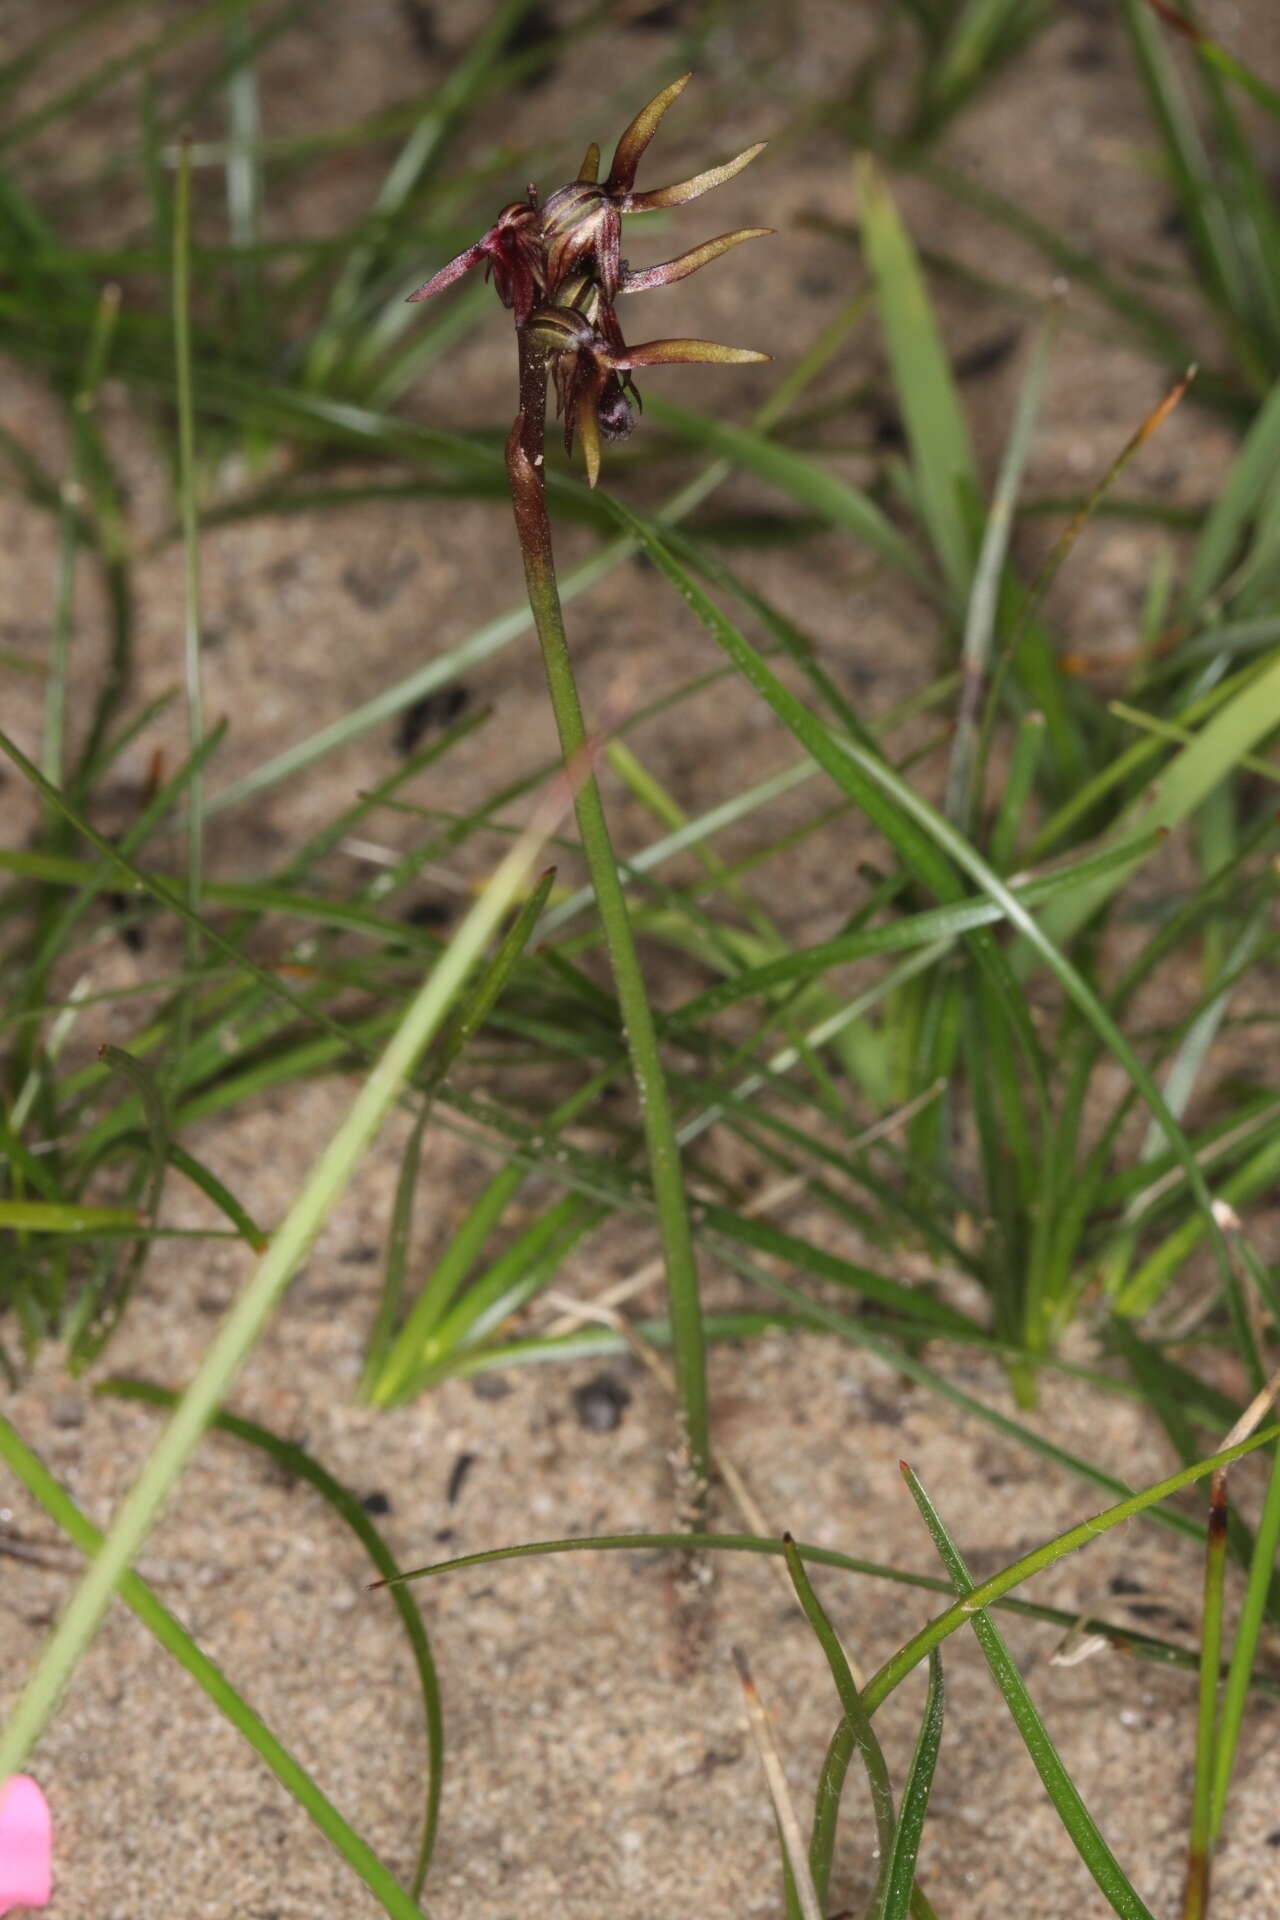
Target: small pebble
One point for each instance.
(601, 1403)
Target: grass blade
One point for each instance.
(297, 1462)
(861, 1732)
(900, 1877)
(945, 471)
(164, 1628)
(1195, 1898)
(1058, 1784)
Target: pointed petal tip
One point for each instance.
(685, 190)
(630, 148)
(645, 279)
(451, 271)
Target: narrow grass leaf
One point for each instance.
(862, 1733)
(299, 1464)
(65, 1216)
(164, 1628)
(1195, 1903)
(1058, 1784)
(393, 1274)
(943, 464)
(899, 1879)
(1244, 1651)
(984, 593)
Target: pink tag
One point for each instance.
(26, 1845)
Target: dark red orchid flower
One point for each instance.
(559, 267)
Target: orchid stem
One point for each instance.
(533, 527)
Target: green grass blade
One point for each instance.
(984, 593)
(596, 1340)
(213, 1189)
(164, 1628)
(299, 1464)
(863, 1735)
(1195, 1905)
(1058, 1784)
(1244, 1651)
(900, 1876)
(895, 1670)
(1252, 473)
(908, 933)
(65, 1216)
(943, 463)
(388, 1314)
(479, 1001)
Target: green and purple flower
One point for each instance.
(559, 267)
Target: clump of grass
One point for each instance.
(899, 1828)
(996, 1164)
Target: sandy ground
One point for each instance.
(594, 1767)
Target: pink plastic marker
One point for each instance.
(26, 1845)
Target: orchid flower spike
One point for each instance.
(559, 267)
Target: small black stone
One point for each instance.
(458, 1476)
(1089, 56)
(362, 1255)
(490, 1386)
(987, 355)
(432, 712)
(420, 19)
(125, 909)
(377, 1503)
(429, 913)
(663, 18)
(887, 429)
(601, 1403)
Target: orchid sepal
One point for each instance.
(674, 353)
(685, 190)
(630, 148)
(669, 271)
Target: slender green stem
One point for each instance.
(71, 519)
(525, 471)
(1195, 1898)
(1248, 1628)
(188, 509)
